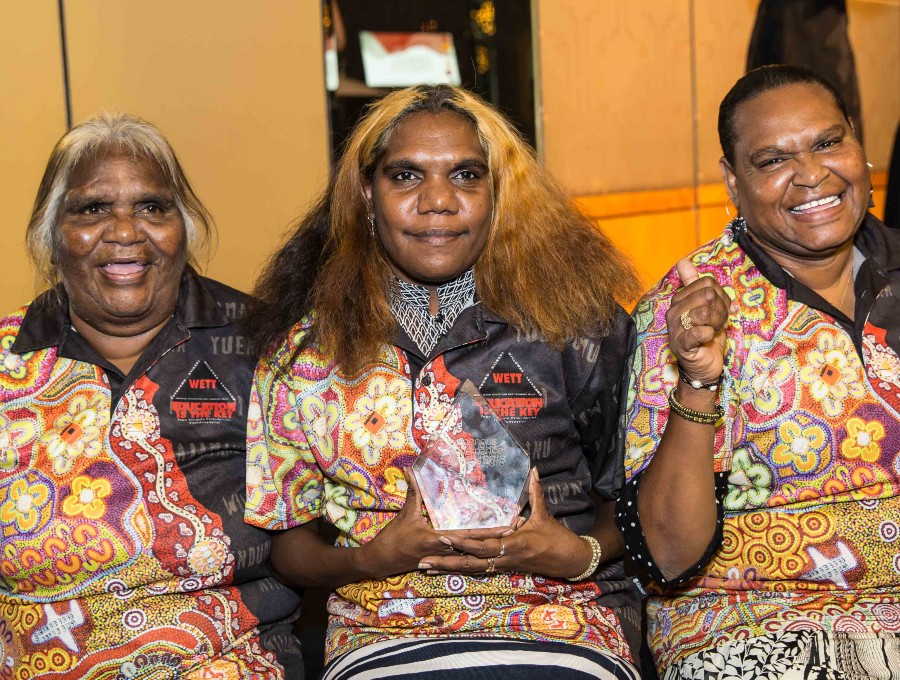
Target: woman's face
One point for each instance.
(799, 177)
(431, 198)
(122, 245)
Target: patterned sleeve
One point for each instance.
(653, 375)
(284, 481)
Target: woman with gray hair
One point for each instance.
(122, 435)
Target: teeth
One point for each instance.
(123, 268)
(830, 201)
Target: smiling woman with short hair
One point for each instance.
(123, 435)
(763, 413)
(442, 252)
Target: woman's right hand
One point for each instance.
(406, 539)
(696, 322)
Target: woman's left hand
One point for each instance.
(541, 545)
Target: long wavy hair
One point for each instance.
(91, 140)
(546, 268)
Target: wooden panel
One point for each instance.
(722, 32)
(616, 95)
(32, 118)
(653, 242)
(874, 29)
(239, 91)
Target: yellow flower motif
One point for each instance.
(862, 440)
(636, 449)
(14, 365)
(23, 504)
(87, 497)
(798, 446)
(832, 372)
(379, 417)
(396, 482)
(77, 432)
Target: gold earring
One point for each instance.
(871, 185)
(727, 211)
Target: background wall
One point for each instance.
(629, 98)
(238, 91)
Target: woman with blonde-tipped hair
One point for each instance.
(442, 252)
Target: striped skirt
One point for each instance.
(478, 659)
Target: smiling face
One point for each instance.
(121, 245)
(799, 176)
(431, 198)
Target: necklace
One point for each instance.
(846, 288)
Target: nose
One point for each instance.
(810, 170)
(437, 195)
(122, 228)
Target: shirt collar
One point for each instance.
(410, 305)
(47, 321)
(874, 240)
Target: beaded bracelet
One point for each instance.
(695, 416)
(698, 385)
(596, 554)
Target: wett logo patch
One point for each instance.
(509, 391)
(202, 396)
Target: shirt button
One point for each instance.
(425, 381)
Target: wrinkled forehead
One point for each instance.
(115, 164)
(784, 111)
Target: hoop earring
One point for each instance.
(371, 219)
(871, 185)
(727, 211)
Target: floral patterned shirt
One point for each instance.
(324, 444)
(808, 453)
(123, 551)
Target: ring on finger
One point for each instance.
(686, 322)
(490, 567)
(502, 549)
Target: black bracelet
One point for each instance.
(697, 385)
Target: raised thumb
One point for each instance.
(686, 271)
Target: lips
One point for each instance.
(124, 270)
(819, 204)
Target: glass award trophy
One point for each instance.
(472, 473)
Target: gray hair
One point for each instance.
(92, 139)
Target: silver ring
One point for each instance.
(502, 549)
(490, 567)
(686, 322)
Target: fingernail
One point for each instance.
(424, 565)
(536, 475)
(445, 540)
(507, 533)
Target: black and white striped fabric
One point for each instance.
(476, 659)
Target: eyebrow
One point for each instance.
(778, 151)
(407, 164)
(78, 199)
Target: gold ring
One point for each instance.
(490, 567)
(686, 322)
(502, 549)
